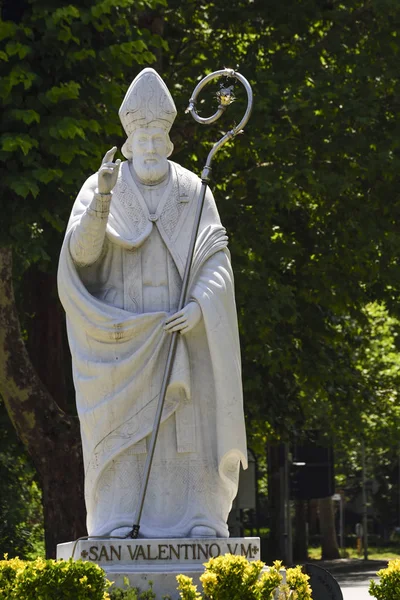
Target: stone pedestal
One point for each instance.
(156, 560)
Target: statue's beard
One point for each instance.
(150, 168)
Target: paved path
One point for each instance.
(355, 586)
(353, 575)
(356, 593)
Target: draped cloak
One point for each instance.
(119, 350)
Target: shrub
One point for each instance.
(187, 589)
(271, 581)
(388, 587)
(51, 580)
(127, 593)
(132, 593)
(226, 577)
(8, 572)
(231, 577)
(298, 582)
(235, 578)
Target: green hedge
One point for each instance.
(52, 580)
(232, 577)
(388, 587)
(225, 578)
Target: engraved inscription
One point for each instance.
(93, 555)
(114, 553)
(163, 552)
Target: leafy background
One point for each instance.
(309, 194)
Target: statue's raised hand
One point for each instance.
(108, 172)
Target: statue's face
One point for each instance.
(150, 147)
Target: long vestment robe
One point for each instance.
(116, 309)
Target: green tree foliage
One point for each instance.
(21, 518)
(380, 365)
(63, 71)
(310, 196)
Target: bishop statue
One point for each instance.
(120, 276)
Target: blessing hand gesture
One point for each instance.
(108, 172)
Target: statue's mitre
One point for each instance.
(147, 103)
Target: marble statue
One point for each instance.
(120, 274)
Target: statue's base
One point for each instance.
(159, 561)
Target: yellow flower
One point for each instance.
(208, 581)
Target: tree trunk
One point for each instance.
(329, 543)
(300, 549)
(276, 545)
(51, 437)
(313, 524)
(47, 343)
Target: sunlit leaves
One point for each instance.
(18, 75)
(17, 143)
(309, 194)
(23, 186)
(63, 14)
(28, 116)
(63, 73)
(65, 91)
